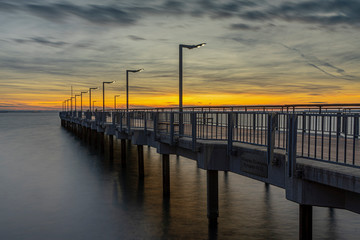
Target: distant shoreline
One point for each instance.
(26, 111)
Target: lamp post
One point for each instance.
(94, 88)
(94, 104)
(181, 46)
(67, 104)
(115, 101)
(81, 99)
(71, 105)
(104, 93)
(76, 95)
(127, 85)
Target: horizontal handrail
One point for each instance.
(331, 136)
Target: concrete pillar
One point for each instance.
(111, 146)
(140, 149)
(212, 196)
(305, 222)
(166, 174)
(123, 152)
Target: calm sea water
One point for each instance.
(54, 186)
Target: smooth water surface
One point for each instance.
(55, 186)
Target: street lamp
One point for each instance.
(115, 101)
(67, 104)
(71, 103)
(81, 98)
(94, 104)
(76, 95)
(181, 46)
(104, 93)
(94, 88)
(127, 85)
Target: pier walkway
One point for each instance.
(311, 151)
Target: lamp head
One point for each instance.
(193, 46)
(109, 82)
(135, 71)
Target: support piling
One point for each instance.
(305, 222)
(166, 174)
(212, 196)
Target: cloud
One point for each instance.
(58, 12)
(324, 13)
(242, 26)
(42, 41)
(136, 38)
(320, 65)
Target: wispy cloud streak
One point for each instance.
(316, 63)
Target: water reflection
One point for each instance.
(56, 186)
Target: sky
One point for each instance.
(257, 52)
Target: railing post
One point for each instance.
(291, 150)
(272, 123)
(145, 121)
(155, 117)
(113, 118)
(338, 130)
(121, 122)
(172, 128)
(356, 125)
(193, 130)
(230, 132)
(128, 121)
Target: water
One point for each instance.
(53, 186)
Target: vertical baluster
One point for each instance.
(309, 134)
(356, 133)
(330, 136)
(345, 133)
(303, 133)
(315, 148)
(338, 129)
(322, 136)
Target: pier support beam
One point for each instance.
(305, 222)
(166, 174)
(111, 147)
(140, 150)
(212, 196)
(123, 152)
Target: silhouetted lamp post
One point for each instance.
(71, 104)
(67, 104)
(127, 85)
(76, 95)
(81, 98)
(115, 101)
(181, 46)
(104, 93)
(94, 88)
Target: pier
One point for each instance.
(310, 151)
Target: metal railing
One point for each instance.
(324, 134)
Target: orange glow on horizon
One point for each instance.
(35, 102)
